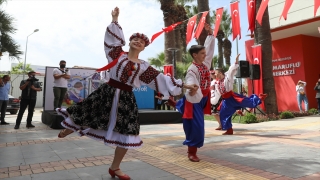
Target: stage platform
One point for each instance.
(147, 116)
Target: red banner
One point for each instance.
(171, 27)
(219, 13)
(155, 36)
(262, 8)
(316, 6)
(200, 25)
(235, 20)
(166, 30)
(286, 8)
(257, 59)
(251, 7)
(190, 28)
(168, 70)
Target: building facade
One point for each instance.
(296, 54)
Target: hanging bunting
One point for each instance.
(251, 7)
(166, 30)
(286, 8)
(190, 28)
(219, 13)
(235, 19)
(316, 6)
(201, 25)
(261, 10)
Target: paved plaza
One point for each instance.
(280, 150)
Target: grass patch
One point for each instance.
(235, 119)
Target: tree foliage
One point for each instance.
(8, 44)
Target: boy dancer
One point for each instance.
(232, 101)
(196, 102)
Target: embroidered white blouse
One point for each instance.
(214, 96)
(225, 85)
(197, 73)
(134, 74)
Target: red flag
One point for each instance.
(155, 36)
(166, 29)
(257, 59)
(286, 8)
(200, 25)
(190, 27)
(219, 13)
(235, 20)
(316, 6)
(171, 27)
(261, 10)
(251, 7)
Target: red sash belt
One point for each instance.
(120, 85)
(188, 106)
(229, 94)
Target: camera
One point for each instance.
(66, 71)
(32, 79)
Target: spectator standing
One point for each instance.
(4, 97)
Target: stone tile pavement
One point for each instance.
(279, 150)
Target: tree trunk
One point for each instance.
(227, 46)
(203, 5)
(220, 36)
(178, 44)
(183, 31)
(262, 36)
(167, 6)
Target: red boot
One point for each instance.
(240, 112)
(192, 154)
(228, 132)
(262, 96)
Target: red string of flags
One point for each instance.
(235, 19)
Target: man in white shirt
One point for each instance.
(61, 76)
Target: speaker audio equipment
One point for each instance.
(254, 71)
(243, 70)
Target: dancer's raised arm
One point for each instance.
(114, 38)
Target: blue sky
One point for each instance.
(73, 30)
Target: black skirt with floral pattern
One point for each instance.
(95, 110)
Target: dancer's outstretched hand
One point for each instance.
(193, 90)
(208, 28)
(115, 14)
(237, 59)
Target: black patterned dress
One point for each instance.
(110, 113)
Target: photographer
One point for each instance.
(29, 88)
(317, 88)
(61, 76)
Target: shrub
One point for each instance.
(300, 114)
(286, 115)
(250, 118)
(267, 117)
(313, 111)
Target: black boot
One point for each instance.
(16, 126)
(30, 125)
(4, 123)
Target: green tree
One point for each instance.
(158, 61)
(7, 42)
(18, 70)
